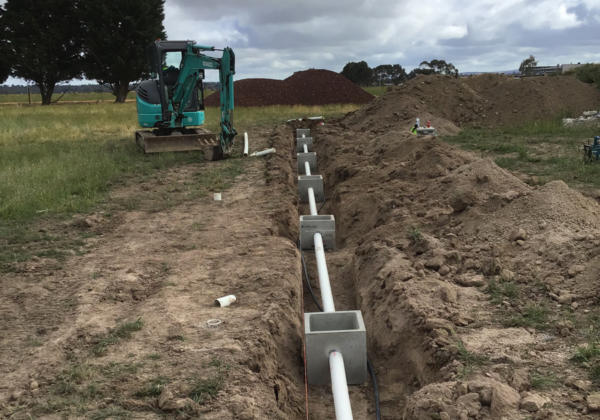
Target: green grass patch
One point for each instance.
(120, 332)
(534, 316)
(469, 359)
(376, 90)
(588, 357)
(541, 381)
(414, 234)
(152, 388)
(544, 149)
(500, 290)
(205, 389)
(587, 353)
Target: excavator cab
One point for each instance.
(171, 103)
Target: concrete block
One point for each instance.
(310, 181)
(342, 331)
(301, 141)
(310, 157)
(426, 131)
(301, 131)
(323, 224)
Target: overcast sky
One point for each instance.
(274, 38)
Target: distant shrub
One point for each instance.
(589, 73)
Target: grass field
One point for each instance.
(544, 149)
(376, 90)
(67, 97)
(62, 159)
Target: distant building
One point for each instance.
(549, 70)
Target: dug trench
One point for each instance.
(475, 287)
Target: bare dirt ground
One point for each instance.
(121, 331)
(479, 291)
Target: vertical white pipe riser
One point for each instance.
(312, 202)
(324, 284)
(245, 144)
(305, 148)
(339, 387)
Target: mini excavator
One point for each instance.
(171, 103)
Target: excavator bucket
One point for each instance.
(179, 141)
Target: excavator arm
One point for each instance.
(193, 64)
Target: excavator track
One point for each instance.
(178, 141)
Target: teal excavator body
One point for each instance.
(171, 103)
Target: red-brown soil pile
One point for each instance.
(486, 100)
(308, 87)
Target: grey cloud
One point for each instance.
(272, 37)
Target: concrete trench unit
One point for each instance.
(335, 341)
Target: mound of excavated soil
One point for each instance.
(308, 87)
(486, 100)
(429, 229)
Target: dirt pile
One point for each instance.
(485, 100)
(308, 87)
(471, 282)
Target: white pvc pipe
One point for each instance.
(307, 168)
(264, 152)
(245, 144)
(305, 148)
(339, 387)
(324, 285)
(312, 203)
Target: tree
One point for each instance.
(439, 67)
(4, 50)
(44, 41)
(116, 38)
(389, 74)
(527, 64)
(359, 73)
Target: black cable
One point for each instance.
(322, 205)
(308, 283)
(375, 389)
(370, 367)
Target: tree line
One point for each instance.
(393, 74)
(52, 41)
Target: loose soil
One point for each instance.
(476, 288)
(308, 87)
(484, 100)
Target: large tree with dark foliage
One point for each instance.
(439, 67)
(359, 73)
(386, 74)
(117, 35)
(5, 60)
(44, 41)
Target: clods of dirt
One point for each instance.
(471, 282)
(485, 100)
